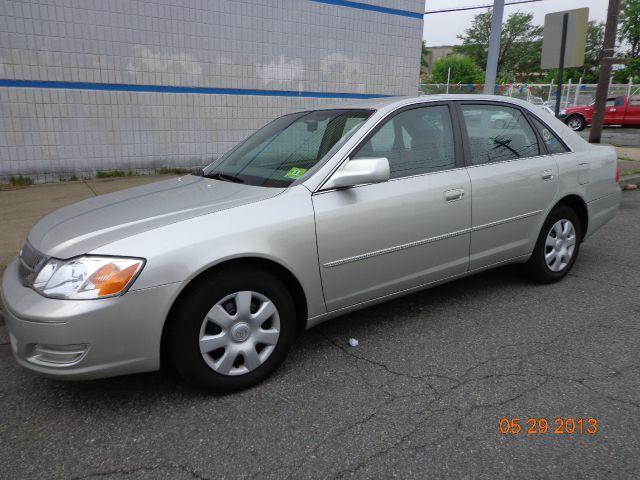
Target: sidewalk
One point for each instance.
(21, 208)
(629, 159)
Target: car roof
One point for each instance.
(391, 103)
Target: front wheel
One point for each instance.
(232, 329)
(576, 123)
(557, 246)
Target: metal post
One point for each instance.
(608, 50)
(494, 47)
(629, 87)
(575, 100)
(566, 99)
(563, 47)
(448, 78)
(550, 90)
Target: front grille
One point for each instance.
(31, 260)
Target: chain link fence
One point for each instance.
(537, 93)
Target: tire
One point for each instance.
(542, 266)
(211, 315)
(576, 123)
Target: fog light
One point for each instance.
(57, 354)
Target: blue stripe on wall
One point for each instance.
(372, 8)
(123, 87)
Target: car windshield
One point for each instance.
(287, 148)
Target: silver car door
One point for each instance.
(514, 181)
(379, 239)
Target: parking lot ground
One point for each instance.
(618, 136)
(420, 397)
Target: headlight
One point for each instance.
(563, 111)
(87, 277)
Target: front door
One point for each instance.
(379, 239)
(614, 111)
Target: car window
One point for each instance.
(551, 140)
(285, 149)
(610, 102)
(416, 141)
(498, 133)
(619, 102)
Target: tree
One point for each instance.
(631, 69)
(520, 45)
(463, 70)
(629, 26)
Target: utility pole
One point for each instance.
(608, 50)
(494, 47)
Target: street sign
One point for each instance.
(576, 38)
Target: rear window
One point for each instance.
(550, 139)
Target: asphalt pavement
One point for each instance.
(618, 136)
(420, 397)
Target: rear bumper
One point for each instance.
(602, 210)
(85, 339)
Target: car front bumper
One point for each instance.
(85, 339)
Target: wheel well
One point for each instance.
(290, 281)
(577, 115)
(577, 205)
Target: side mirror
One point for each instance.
(359, 171)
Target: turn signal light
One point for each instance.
(110, 279)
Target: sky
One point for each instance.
(442, 28)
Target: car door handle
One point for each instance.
(547, 175)
(455, 194)
(612, 110)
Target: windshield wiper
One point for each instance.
(225, 177)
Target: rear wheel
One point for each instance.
(232, 330)
(557, 246)
(576, 123)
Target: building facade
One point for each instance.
(131, 85)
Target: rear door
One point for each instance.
(513, 181)
(379, 239)
(632, 115)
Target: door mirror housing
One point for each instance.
(359, 171)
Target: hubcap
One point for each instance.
(560, 245)
(574, 123)
(239, 333)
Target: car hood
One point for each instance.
(86, 225)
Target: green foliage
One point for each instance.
(463, 70)
(629, 26)
(73, 178)
(20, 181)
(520, 45)
(631, 69)
(110, 174)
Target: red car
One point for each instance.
(622, 110)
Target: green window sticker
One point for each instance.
(295, 173)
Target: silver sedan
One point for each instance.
(317, 214)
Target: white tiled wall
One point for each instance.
(295, 45)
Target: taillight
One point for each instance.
(617, 171)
